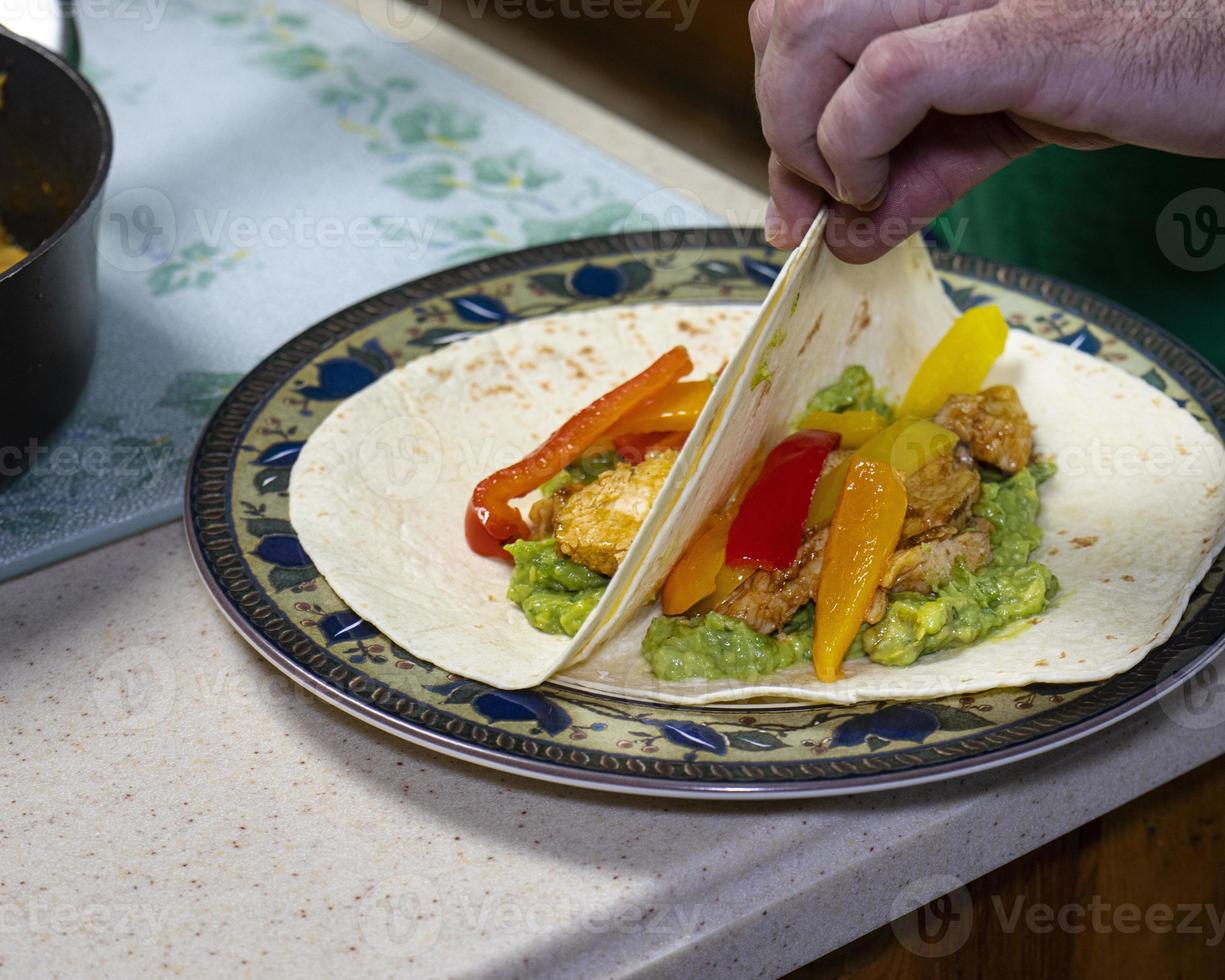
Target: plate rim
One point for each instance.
(1056, 292)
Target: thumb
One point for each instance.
(935, 167)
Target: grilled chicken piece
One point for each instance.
(878, 608)
(596, 525)
(994, 424)
(923, 567)
(766, 600)
(940, 497)
(540, 517)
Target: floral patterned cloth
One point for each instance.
(274, 163)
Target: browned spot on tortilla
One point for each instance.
(1085, 542)
(816, 328)
(500, 390)
(1111, 636)
(1211, 491)
(545, 386)
(578, 372)
(475, 365)
(1053, 552)
(1181, 449)
(442, 374)
(1061, 531)
(684, 326)
(1127, 578)
(1062, 654)
(1041, 663)
(586, 351)
(863, 320)
(1105, 580)
(546, 350)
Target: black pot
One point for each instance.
(55, 149)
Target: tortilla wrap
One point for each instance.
(1132, 520)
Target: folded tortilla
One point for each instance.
(379, 492)
(1132, 520)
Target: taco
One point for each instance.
(383, 498)
(856, 492)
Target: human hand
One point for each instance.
(891, 110)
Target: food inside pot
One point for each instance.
(10, 252)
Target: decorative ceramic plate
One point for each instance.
(248, 554)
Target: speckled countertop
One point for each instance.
(170, 802)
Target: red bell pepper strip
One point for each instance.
(492, 522)
(769, 528)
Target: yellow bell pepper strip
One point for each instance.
(959, 364)
(675, 409)
(855, 427)
(907, 445)
(862, 536)
(491, 521)
(726, 582)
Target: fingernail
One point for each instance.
(773, 225)
(841, 194)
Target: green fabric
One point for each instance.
(1104, 220)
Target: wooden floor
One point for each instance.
(693, 88)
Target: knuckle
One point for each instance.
(799, 17)
(890, 63)
(760, 16)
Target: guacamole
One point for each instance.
(714, 646)
(853, 391)
(967, 608)
(555, 593)
(582, 472)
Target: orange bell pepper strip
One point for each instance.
(492, 522)
(695, 576)
(675, 409)
(856, 428)
(907, 445)
(701, 577)
(862, 536)
(959, 364)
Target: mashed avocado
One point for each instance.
(582, 472)
(555, 593)
(967, 608)
(854, 391)
(716, 646)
